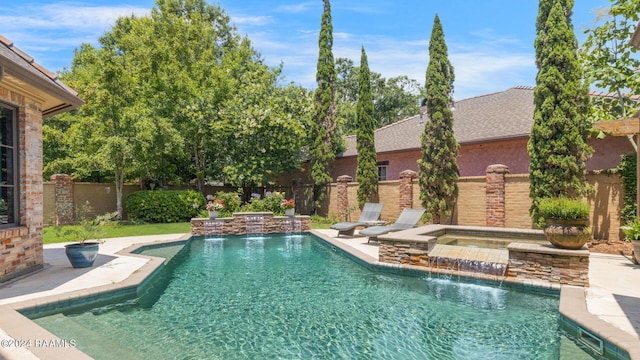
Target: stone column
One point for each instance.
(64, 199)
(495, 199)
(343, 196)
(406, 188)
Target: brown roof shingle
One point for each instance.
(501, 115)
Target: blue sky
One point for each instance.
(490, 42)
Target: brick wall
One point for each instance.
(471, 205)
(21, 247)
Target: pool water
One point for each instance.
(486, 242)
(280, 297)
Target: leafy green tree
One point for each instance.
(438, 169)
(194, 55)
(263, 129)
(557, 146)
(394, 99)
(610, 61)
(323, 141)
(367, 171)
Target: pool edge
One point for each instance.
(572, 303)
(15, 325)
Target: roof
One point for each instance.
(20, 71)
(501, 115)
(492, 117)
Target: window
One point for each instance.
(382, 170)
(9, 166)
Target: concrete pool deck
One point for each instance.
(611, 305)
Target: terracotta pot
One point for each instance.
(569, 234)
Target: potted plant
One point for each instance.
(289, 207)
(566, 222)
(88, 236)
(632, 233)
(213, 206)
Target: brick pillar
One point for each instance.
(343, 197)
(64, 199)
(406, 188)
(495, 195)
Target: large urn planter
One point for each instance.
(632, 233)
(82, 254)
(566, 222)
(636, 251)
(569, 234)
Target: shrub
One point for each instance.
(231, 202)
(632, 230)
(563, 208)
(164, 206)
(270, 203)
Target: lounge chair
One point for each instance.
(408, 219)
(370, 213)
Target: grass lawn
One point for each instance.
(50, 235)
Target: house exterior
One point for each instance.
(28, 94)
(490, 129)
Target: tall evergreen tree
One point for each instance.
(367, 172)
(322, 140)
(557, 146)
(438, 169)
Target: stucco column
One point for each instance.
(406, 188)
(64, 199)
(343, 197)
(495, 199)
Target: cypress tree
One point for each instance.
(438, 169)
(558, 144)
(322, 140)
(367, 172)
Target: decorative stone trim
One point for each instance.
(236, 225)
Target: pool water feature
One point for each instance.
(295, 297)
(485, 242)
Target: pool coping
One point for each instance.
(15, 325)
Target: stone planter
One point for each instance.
(290, 212)
(569, 234)
(213, 214)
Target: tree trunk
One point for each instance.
(119, 177)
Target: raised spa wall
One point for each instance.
(525, 260)
(237, 225)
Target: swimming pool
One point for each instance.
(294, 297)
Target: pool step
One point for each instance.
(87, 340)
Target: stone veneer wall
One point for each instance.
(527, 261)
(534, 261)
(21, 246)
(236, 225)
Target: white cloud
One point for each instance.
(252, 20)
(297, 8)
